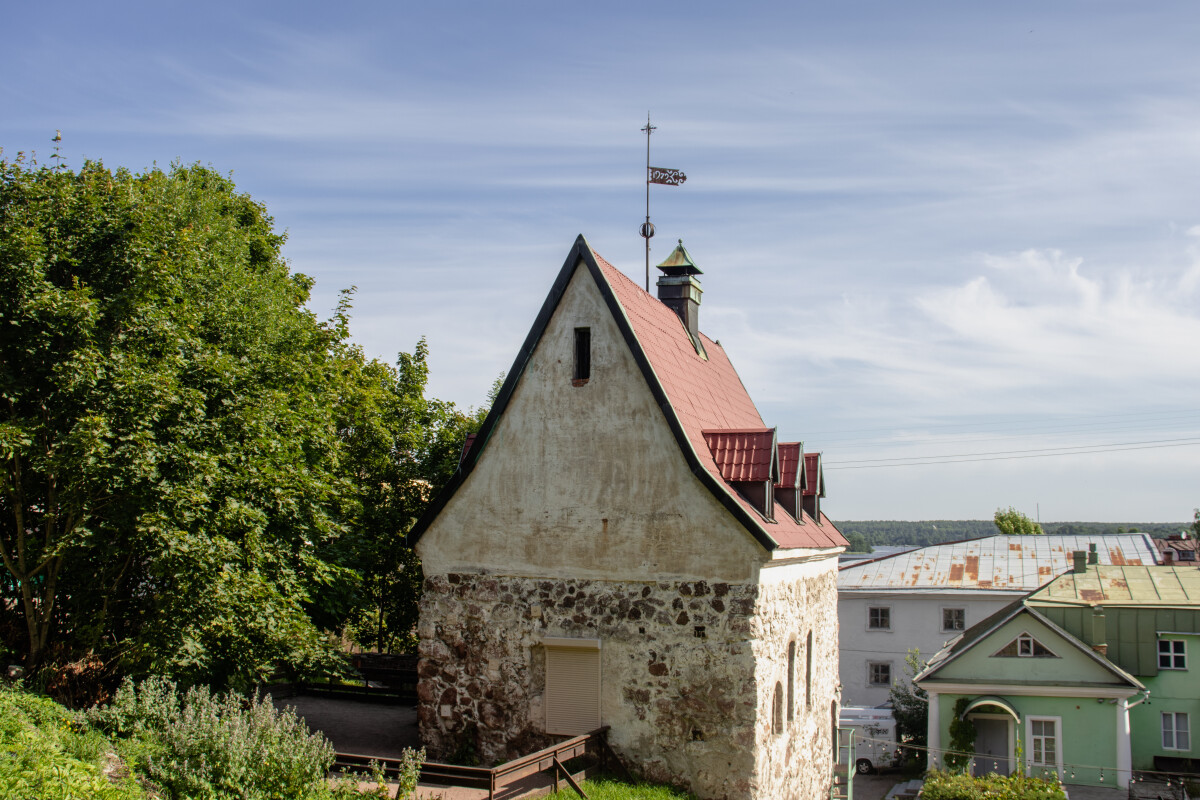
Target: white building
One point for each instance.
(923, 598)
(626, 544)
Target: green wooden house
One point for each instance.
(1091, 677)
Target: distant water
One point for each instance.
(879, 552)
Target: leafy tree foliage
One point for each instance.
(910, 705)
(962, 738)
(1009, 521)
(858, 543)
(192, 466)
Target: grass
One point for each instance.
(618, 790)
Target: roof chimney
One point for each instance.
(1099, 637)
(679, 289)
(1080, 565)
(1093, 556)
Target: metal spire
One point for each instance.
(666, 177)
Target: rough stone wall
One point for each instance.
(677, 671)
(796, 764)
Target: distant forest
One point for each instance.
(927, 532)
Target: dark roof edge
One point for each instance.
(510, 384)
(582, 251)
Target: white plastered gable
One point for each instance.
(585, 480)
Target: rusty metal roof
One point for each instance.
(998, 563)
(1123, 586)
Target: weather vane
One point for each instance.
(660, 175)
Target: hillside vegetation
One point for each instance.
(927, 532)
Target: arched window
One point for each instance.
(777, 710)
(808, 672)
(791, 700)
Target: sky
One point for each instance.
(953, 246)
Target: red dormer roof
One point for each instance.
(815, 481)
(705, 394)
(743, 454)
(697, 391)
(790, 476)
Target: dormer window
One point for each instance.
(749, 463)
(583, 356)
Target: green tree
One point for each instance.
(400, 449)
(172, 485)
(910, 705)
(962, 738)
(1196, 522)
(858, 543)
(1010, 521)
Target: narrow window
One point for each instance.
(879, 673)
(1043, 734)
(1175, 733)
(879, 618)
(1172, 654)
(791, 699)
(777, 710)
(583, 356)
(808, 655)
(954, 619)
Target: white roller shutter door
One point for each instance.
(572, 688)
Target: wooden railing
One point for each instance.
(552, 759)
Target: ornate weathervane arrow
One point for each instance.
(661, 176)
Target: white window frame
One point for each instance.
(871, 627)
(1030, 749)
(960, 610)
(871, 669)
(1024, 639)
(1171, 655)
(1176, 730)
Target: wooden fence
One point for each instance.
(592, 747)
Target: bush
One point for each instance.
(203, 746)
(51, 754)
(940, 785)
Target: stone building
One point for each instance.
(626, 544)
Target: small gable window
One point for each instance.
(1024, 646)
(583, 356)
(1172, 654)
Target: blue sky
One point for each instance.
(942, 242)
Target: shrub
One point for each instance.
(941, 785)
(203, 746)
(51, 754)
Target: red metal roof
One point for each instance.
(812, 469)
(743, 454)
(705, 394)
(790, 454)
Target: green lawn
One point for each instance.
(617, 790)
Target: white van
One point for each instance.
(875, 745)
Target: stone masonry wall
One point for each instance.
(677, 672)
(797, 763)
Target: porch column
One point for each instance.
(1124, 755)
(933, 733)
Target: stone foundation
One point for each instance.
(680, 688)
